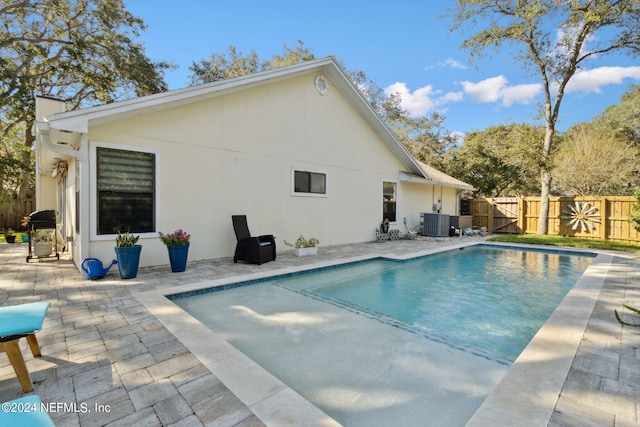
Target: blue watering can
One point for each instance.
(93, 268)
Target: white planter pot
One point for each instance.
(305, 251)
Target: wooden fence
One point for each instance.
(605, 218)
(12, 212)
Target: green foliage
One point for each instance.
(501, 160)
(622, 322)
(124, 240)
(592, 163)
(304, 243)
(235, 64)
(425, 137)
(623, 119)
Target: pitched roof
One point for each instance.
(434, 177)
(438, 177)
(81, 120)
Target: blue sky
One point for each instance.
(404, 47)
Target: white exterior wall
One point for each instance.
(234, 154)
(416, 198)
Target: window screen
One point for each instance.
(126, 191)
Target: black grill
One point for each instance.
(42, 219)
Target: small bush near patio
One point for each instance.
(572, 242)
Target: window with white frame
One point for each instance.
(309, 182)
(126, 191)
(389, 199)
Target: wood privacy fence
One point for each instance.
(12, 212)
(598, 217)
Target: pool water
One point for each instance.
(487, 300)
(383, 342)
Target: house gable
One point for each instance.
(79, 121)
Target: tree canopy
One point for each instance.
(623, 119)
(233, 63)
(502, 160)
(553, 39)
(589, 162)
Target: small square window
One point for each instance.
(309, 182)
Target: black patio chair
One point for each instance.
(256, 250)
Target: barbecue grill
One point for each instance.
(42, 220)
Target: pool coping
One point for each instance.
(525, 396)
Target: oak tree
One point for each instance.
(553, 38)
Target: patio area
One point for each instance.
(107, 361)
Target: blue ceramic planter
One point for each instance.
(128, 261)
(178, 257)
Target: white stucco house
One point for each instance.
(297, 149)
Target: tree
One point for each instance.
(554, 38)
(623, 119)
(234, 63)
(591, 163)
(80, 51)
(425, 137)
(498, 161)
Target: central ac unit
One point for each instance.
(435, 224)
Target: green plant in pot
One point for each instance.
(304, 247)
(127, 254)
(9, 235)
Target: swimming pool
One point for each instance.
(483, 299)
(270, 322)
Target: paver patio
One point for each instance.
(107, 361)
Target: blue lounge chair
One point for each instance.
(25, 412)
(19, 321)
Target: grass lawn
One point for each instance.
(572, 242)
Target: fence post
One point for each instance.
(490, 213)
(604, 218)
(521, 217)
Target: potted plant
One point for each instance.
(128, 254)
(178, 247)
(9, 235)
(304, 247)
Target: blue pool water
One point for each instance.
(487, 300)
(483, 299)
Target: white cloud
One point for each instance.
(422, 100)
(521, 94)
(487, 90)
(496, 89)
(450, 62)
(591, 81)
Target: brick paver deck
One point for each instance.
(107, 361)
